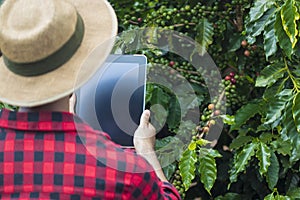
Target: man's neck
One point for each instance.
(61, 105)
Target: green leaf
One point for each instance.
(192, 146)
(290, 16)
(174, 115)
(241, 160)
(207, 170)
(228, 119)
(274, 89)
(187, 167)
(273, 171)
(229, 196)
(240, 141)
(259, 8)
(289, 132)
(244, 114)
(276, 106)
(169, 170)
(260, 24)
(269, 197)
(270, 42)
(282, 147)
(296, 110)
(263, 154)
(270, 74)
(294, 193)
(282, 37)
(204, 37)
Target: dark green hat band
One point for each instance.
(53, 61)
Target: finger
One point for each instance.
(144, 121)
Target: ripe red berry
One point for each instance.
(171, 63)
(247, 53)
(227, 78)
(233, 81)
(232, 74)
(244, 43)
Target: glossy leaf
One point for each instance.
(270, 75)
(187, 167)
(296, 111)
(276, 106)
(244, 114)
(289, 132)
(282, 37)
(241, 160)
(270, 42)
(263, 154)
(208, 170)
(272, 174)
(260, 24)
(259, 8)
(204, 37)
(290, 16)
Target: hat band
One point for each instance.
(53, 61)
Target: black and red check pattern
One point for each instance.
(54, 155)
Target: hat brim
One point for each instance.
(101, 25)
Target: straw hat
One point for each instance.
(51, 47)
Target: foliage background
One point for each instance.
(255, 46)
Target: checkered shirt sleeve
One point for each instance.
(55, 155)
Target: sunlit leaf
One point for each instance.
(283, 39)
(208, 170)
(263, 154)
(270, 74)
(187, 167)
(270, 41)
(290, 16)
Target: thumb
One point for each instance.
(144, 121)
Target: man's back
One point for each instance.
(54, 155)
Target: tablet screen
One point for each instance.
(113, 100)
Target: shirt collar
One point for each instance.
(42, 121)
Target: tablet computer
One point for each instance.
(114, 98)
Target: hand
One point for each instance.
(144, 136)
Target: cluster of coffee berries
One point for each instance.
(208, 118)
(177, 182)
(233, 98)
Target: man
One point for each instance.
(51, 47)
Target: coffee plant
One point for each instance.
(255, 46)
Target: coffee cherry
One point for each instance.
(247, 53)
(227, 78)
(233, 80)
(211, 106)
(217, 112)
(231, 74)
(171, 63)
(205, 129)
(244, 43)
(140, 20)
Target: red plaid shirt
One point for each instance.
(54, 155)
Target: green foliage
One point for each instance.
(255, 45)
